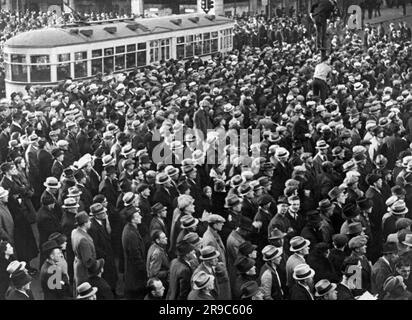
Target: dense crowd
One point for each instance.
(272, 172)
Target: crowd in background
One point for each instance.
(136, 186)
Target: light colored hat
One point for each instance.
(302, 272)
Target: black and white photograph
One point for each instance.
(222, 151)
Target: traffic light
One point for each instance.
(210, 4)
(203, 4)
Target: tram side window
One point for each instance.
(63, 68)
(108, 60)
(159, 50)
(97, 61)
(215, 41)
(40, 68)
(120, 58)
(131, 56)
(18, 68)
(226, 39)
(141, 54)
(180, 48)
(80, 64)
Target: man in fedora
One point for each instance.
(249, 205)
(320, 157)
(251, 291)
(235, 239)
(86, 197)
(86, 292)
(325, 290)
(158, 222)
(57, 166)
(32, 164)
(100, 233)
(272, 278)
(83, 248)
(135, 275)
(59, 287)
(397, 211)
(188, 223)
(52, 185)
(209, 261)
(302, 289)
(338, 197)
(203, 286)
(300, 248)
(311, 231)
(104, 291)
(20, 290)
(338, 253)
(158, 262)
(358, 246)
(282, 172)
(212, 238)
(384, 267)
(180, 273)
(233, 206)
(246, 269)
(163, 195)
(48, 222)
(6, 219)
(325, 212)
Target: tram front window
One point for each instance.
(18, 68)
(40, 68)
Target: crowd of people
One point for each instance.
(273, 172)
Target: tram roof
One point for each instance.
(95, 32)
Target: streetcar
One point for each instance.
(82, 50)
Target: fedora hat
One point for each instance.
(20, 278)
(323, 287)
(244, 189)
(244, 264)
(324, 205)
(52, 183)
(183, 248)
(128, 198)
(408, 240)
(74, 192)
(70, 203)
(215, 218)
(188, 221)
(15, 266)
(171, 171)
(97, 208)
(364, 203)
(302, 272)
(48, 246)
(192, 238)
(108, 160)
(389, 247)
(201, 280)
(399, 208)
(276, 234)
(247, 248)
(354, 228)
(33, 138)
(321, 144)
(162, 178)
(358, 241)
(350, 211)
(95, 269)
(298, 243)
(232, 200)
(58, 237)
(85, 290)
(271, 252)
(176, 145)
(249, 289)
(127, 150)
(208, 253)
(281, 153)
(236, 181)
(157, 208)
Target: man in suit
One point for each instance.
(302, 289)
(134, 257)
(45, 160)
(384, 267)
(6, 219)
(83, 248)
(164, 196)
(16, 124)
(212, 238)
(20, 290)
(180, 273)
(158, 221)
(4, 141)
(47, 221)
(57, 166)
(201, 120)
(320, 12)
(82, 138)
(157, 263)
(100, 233)
(73, 153)
(270, 278)
(33, 169)
(374, 193)
(282, 172)
(86, 197)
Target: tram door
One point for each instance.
(159, 50)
